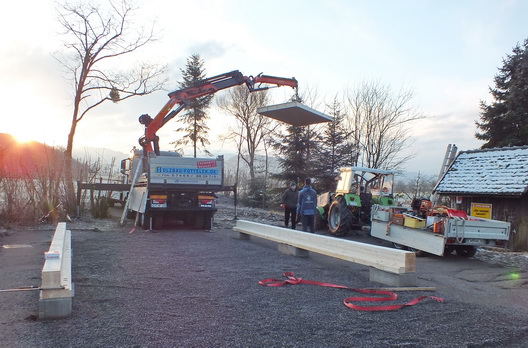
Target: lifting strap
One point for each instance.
(388, 295)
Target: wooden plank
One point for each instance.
(386, 259)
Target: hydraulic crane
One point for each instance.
(182, 98)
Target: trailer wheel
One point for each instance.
(466, 251)
(399, 246)
(449, 249)
(339, 217)
(418, 253)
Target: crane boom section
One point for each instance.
(202, 88)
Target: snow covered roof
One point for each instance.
(498, 171)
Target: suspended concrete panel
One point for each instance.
(294, 113)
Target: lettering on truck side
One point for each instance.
(193, 171)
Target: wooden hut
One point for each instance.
(491, 183)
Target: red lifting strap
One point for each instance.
(388, 295)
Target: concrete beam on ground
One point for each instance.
(57, 292)
(385, 259)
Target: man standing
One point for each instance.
(289, 204)
(307, 205)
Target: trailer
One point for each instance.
(440, 232)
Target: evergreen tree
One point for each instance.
(295, 150)
(335, 145)
(503, 122)
(194, 120)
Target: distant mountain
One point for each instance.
(93, 154)
(32, 159)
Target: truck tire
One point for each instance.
(208, 223)
(339, 217)
(466, 251)
(203, 221)
(158, 221)
(130, 214)
(144, 221)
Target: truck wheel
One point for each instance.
(466, 251)
(144, 221)
(199, 221)
(203, 222)
(339, 217)
(208, 223)
(130, 214)
(158, 221)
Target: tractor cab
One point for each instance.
(357, 190)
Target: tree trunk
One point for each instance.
(70, 201)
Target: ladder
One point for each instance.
(448, 159)
(135, 178)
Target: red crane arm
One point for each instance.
(202, 88)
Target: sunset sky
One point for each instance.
(446, 52)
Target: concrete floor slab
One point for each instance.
(294, 113)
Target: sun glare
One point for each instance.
(23, 137)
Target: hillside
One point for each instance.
(28, 159)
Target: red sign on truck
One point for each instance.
(206, 164)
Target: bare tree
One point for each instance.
(380, 121)
(420, 186)
(251, 129)
(92, 37)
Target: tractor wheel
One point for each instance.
(339, 217)
(466, 251)
(319, 222)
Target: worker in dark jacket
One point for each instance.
(307, 205)
(289, 204)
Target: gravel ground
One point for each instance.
(200, 289)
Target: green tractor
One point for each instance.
(348, 208)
